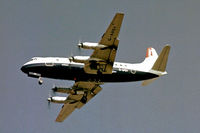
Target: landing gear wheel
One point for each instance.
(84, 99)
(40, 81)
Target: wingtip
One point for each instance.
(168, 45)
(58, 121)
(119, 13)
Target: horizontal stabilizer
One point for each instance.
(161, 62)
(149, 81)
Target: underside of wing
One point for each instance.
(83, 92)
(102, 59)
(112, 31)
(66, 110)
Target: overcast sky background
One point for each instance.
(53, 27)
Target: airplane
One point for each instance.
(89, 72)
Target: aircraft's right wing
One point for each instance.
(102, 59)
(83, 92)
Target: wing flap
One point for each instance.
(75, 100)
(89, 96)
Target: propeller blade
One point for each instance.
(53, 90)
(49, 104)
(49, 100)
(79, 48)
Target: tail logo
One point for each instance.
(149, 52)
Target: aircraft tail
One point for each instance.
(151, 56)
(159, 64)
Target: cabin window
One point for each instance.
(34, 58)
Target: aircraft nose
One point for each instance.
(24, 68)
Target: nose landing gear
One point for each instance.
(40, 81)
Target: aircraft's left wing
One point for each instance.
(83, 92)
(102, 59)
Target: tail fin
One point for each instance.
(161, 62)
(151, 52)
(160, 65)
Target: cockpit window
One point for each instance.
(34, 58)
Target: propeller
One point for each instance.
(49, 100)
(76, 48)
(51, 93)
(71, 54)
(79, 47)
(54, 89)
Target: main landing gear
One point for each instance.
(99, 72)
(84, 98)
(40, 81)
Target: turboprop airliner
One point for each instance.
(90, 72)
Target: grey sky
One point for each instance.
(53, 28)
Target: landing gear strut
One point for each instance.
(84, 98)
(40, 81)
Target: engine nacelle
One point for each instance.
(57, 99)
(90, 45)
(68, 90)
(79, 59)
(62, 90)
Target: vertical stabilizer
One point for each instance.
(161, 62)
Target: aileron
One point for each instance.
(112, 31)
